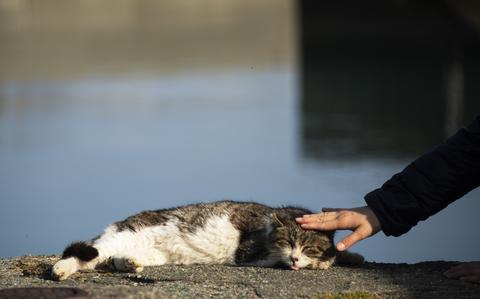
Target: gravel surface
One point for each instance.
(372, 280)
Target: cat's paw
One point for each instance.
(322, 265)
(64, 268)
(127, 264)
(325, 264)
(133, 265)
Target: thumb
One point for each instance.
(349, 241)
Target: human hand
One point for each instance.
(362, 221)
(465, 271)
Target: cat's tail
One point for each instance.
(78, 255)
(349, 258)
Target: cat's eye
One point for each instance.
(284, 243)
(312, 251)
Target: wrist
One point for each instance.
(373, 220)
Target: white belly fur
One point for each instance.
(215, 242)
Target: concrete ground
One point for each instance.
(372, 280)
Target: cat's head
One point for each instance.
(297, 248)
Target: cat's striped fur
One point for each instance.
(224, 232)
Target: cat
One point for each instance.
(224, 232)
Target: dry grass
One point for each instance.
(34, 266)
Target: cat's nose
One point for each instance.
(294, 259)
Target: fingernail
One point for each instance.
(340, 246)
(298, 219)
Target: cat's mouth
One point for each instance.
(286, 265)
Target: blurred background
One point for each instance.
(111, 107)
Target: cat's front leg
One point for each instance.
(125, 264)
(322, 265)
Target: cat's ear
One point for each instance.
(276, 220)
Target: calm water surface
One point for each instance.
(77, 155)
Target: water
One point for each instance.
(83, 146)
(78, 155)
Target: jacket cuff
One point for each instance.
(389, 225)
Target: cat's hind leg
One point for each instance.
(64, 268)
(78, 255)
(129, 251)
(125, 264)
(135, 262)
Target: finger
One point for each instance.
(472, 278)
(321, 217)
(329, 225)
(322, 214)
(340, 221)
(350, 240)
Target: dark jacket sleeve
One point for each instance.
(430, 183)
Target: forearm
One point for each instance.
(430, 183)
